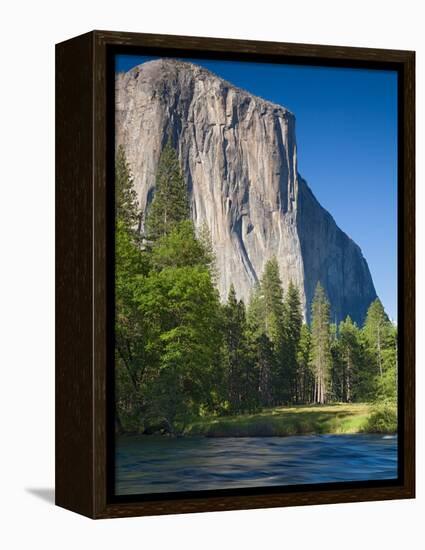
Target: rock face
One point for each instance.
(239, 157)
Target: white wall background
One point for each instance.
(29, 31)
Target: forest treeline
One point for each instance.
(182, 354)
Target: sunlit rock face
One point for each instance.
(238, 154)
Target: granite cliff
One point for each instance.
(239, 157)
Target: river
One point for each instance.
(150, 464)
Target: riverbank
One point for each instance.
(284, 421)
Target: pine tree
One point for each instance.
(337, 366)
(170, 204)
(272, 295)
(377, 331)
(351, 357)
(264, 364)
(235, 352)
(126, 205)
(205, 240)
(380, 337)
(305, 376)
(386, 386)
(265, 321)
(292, 323)
(255, 313)
(321, 354)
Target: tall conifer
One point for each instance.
(292, 323)
(170, 204)
(321, 355)
(126, 205)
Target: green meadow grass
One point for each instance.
(283, 421)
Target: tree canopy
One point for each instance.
(181, 353)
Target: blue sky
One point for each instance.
(346, 127)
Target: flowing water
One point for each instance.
(150, 464)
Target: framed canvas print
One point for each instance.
(235, 274)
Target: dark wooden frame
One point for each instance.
(81, 272)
